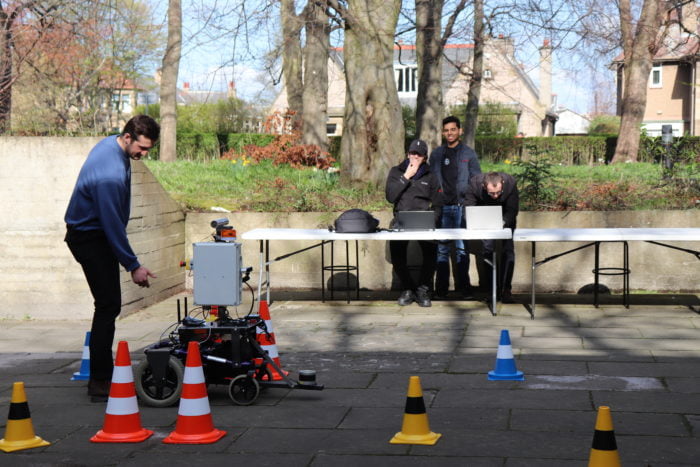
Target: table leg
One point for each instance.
(595, 280)
(494, 285)
(532, 279)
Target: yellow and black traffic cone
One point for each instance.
(604, 449)
(19, 432)
(415, 428)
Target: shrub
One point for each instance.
(604, 125)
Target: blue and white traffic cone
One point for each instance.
(84, 373)
(505, 363)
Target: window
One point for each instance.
(487, 74)
(655, 76)
(406, 77)
(331, 128)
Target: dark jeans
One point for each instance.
(506, 263)
(452, 218)
(101, 268)
(399, 250)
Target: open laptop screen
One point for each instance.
(484, 217)
(414, 220)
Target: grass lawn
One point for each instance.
(244, 186)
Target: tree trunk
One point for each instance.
(639, 47)
(429, 111)
(168, 84)
(292, 60)
(5, 71)
(471, 119)
(315, 92)
(373, 137)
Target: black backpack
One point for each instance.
(355, 221)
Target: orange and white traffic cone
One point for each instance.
(268, 343)
(194, 423)
(122, 419)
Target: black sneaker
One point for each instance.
(406, 297)
(422, 296)
(507, 297)
(468, 294)
(98, 390)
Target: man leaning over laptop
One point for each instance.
(410, 186)
(498, 189)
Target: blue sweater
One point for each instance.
(101, 198)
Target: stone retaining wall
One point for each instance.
(39, 278)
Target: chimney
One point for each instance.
(231, 94)
(546, 75)
(186, 86)
(505, 45)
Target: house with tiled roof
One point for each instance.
(505, 82)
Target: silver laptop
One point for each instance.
(414, 220)
(484, 217)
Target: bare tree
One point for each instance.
(315, 92)
(168, 85)
(373, 134)
(640, 42)
(430, 43)
(33, 17)
(292, 59)
(471, 119)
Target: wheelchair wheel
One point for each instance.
(156, 395)
(243, 390)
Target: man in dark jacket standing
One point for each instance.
(411, 186)
(499, 189)
(96, 221)
(453, 164)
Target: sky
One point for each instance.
(206, 61)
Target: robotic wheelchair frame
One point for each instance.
(228, 346)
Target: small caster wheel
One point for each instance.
(159, 393)
(243, 390)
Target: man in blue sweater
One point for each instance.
(96, 220)
(454, 164)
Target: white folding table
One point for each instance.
(595, 236)
(324, 236)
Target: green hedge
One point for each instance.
(565, 150)
(207, 146)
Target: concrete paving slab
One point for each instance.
(365, 361)
(525, 399)
(624, 423)
(677, 369)
(652, 402)
(685, 385)
(342, 460)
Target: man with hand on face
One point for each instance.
(411, 186)
(453, 164)
(96, 221)
(498, 189)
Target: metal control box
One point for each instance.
(217, 273)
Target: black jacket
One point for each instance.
(467, 167)
(509, 199)
(420, 193)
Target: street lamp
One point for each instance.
(667, 140)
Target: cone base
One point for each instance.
(428, 439)
(199, 438)
(134, 437)
(517, 376)
(11, 446)
(79, 377)
(600, 458)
